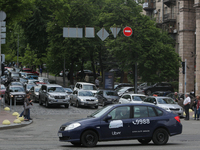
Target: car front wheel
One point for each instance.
(77, 104)
(160, 137)
(89, 138)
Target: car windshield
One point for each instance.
(89, 87)
(85, 93)
(32, 81)
(110, 93)
(138, 98)
(14, 75)
(2, 86)
(55, 89)
(30, 86)
(37, 89)
(68, 90)
(16, 89)
(165, 101)
(100, 112)
(16, 83)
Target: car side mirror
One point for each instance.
(155, 102)
(109, 117)
(44, 91)
(129, 99)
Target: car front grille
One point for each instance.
(90, 100)
(59, 97)
(174, 109)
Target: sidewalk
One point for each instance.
(7, 115)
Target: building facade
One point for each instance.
(181, 19)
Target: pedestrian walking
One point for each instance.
(195, 107)
(87, 78)
(186, 104)
(41, 71)
(198, 108)
(27, 106)
(97, 82)
(176, 97)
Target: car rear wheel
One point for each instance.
(160, 137)
(144, 141)
(89, 138)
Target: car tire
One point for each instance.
(96, 107)
(160, 136)
(67, 106)
(40, 101)
(76, 143)
(46, 104)
(144, 141)
(77, 104)
(89, 138)
(148, 92)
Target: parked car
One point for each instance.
(13, 76)
(166, 103)
(2, 90)
(85, 86)
(106, 97)
(14, 92)
(142, 122)
(83, 98)
(123, 90)
(30, 76)
(4, 79)
(132, 98)
(53, 94)
(34, 93)
(16, 83)
(156, 87)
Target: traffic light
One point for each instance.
(183, 67)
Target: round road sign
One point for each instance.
(127, 31)
(2, 15)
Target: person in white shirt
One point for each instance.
(186, 104)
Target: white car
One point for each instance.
(166, 103)
(132, 98)
(85, 86)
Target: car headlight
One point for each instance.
(81, 100)
(67, 96)
(72, 126)
(51, 96)
(96, 100)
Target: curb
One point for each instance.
(13, 126)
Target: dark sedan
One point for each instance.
(15, 92)
(106, 97)
(144, 122)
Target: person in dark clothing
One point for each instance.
(195, 107)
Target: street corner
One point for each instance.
(9, 120)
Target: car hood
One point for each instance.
(87, 97)
(81, 121)
(169, 105)
(36, 93)
(57, 94)
(137, 102)
(17, 93)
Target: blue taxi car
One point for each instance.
(144, 122)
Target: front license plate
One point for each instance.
(60, 100)
(59, 134)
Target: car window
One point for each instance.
(56, 89)
(110, 93)
(151, 111)
(140, 112)
(85, 93)
(89, 87)
(159, 112)
(16, 89)
(165, 101)
(120, 113)
(37, 89)
(138, 98)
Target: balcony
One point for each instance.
(169, 2)
(170, 28)
(170, 17)
(159, 22)
(149, 6)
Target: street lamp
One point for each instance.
(18, 51)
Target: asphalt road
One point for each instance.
(42, 133)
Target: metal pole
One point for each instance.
(10, 103)
(18, 52)
(64, 72)
(185, 77)
(0, 53)
(135, 77)
(14, 103)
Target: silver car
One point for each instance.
(166, 103)
(34, 93)
(83, 98)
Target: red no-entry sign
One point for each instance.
(127, 31)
